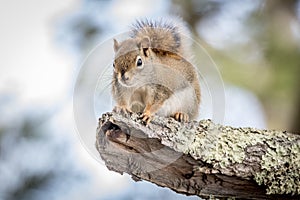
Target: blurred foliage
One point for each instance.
(34, 163)
(30, 184)
(192, 11)
(273, 28)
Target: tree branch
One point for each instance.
(202, 158)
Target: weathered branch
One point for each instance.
(202, 158)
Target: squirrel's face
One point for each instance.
(128, 69)
(129, 64)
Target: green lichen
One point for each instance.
(280, 167)
(224, 146)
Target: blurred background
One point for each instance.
(255, 45)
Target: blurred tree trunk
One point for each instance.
(283, 53)
(296, 124)
(194, 11)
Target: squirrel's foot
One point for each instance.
(181, 117)
(122, 110)
(146, 118)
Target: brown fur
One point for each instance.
(165, 83)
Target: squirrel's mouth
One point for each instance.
(125, 83)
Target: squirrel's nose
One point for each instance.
(125, 78)
(122, 72)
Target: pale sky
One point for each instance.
(30, 65)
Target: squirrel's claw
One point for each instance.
(146, 118)
(122, 110)
(181, 117)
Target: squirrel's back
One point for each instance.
(165, 35)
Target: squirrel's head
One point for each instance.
(130, 63)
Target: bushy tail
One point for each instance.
(170, 35)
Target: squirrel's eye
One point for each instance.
(114, 65)
(139, 61)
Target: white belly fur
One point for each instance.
(181, 101)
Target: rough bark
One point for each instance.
(202, 158)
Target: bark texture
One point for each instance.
(202, 158)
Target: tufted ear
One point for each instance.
(145, 45)
(116, 45)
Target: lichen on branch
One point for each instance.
(271, 158)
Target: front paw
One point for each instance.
(122, 110)
(181, 117)
(146, 118)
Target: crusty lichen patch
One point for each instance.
(225, 147)
(280, 166)
(222, 146)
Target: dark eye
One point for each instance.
(139, 61)
(114, 65)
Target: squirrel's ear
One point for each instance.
(145, 45)
(116, 45)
